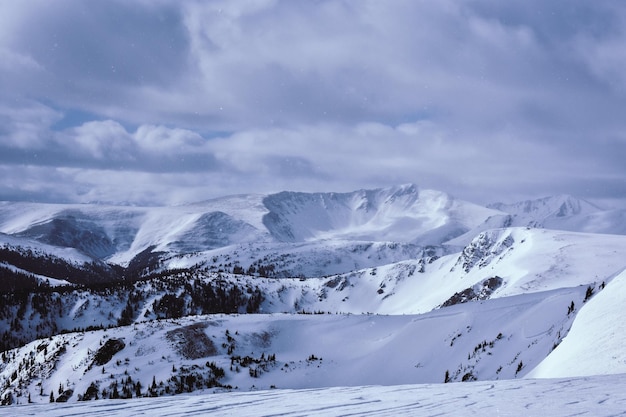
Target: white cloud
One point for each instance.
(159, 139)
(103, 140)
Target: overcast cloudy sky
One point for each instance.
(168, 101)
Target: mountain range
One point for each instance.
(294, 290)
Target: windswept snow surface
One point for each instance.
(596, 396)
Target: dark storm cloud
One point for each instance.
(179, 100)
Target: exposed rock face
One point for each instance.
(481, 291)
(106, 352)
(483, 249)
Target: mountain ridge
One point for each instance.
(235, 292)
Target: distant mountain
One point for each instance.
(397, 214)
(549, 207)
(564, 212)
(401, 214)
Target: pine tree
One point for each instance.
(571, 308)
(51, 396)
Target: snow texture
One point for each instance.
(598, 396)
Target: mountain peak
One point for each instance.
(556, 212)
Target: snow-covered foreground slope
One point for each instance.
(596, 343)
(596, 396)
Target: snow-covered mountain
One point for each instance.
(560, 206)
(414, 285)
(280, 235)
(400, 214)
(564, 212)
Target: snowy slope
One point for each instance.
(497, 264)
(69, 254)
(118, 234)
(527, 260)
(494, 339)
(23, 259)
(595, 345)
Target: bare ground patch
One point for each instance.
(191, 341)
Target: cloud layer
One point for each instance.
(170, 101)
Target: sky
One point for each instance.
(173, 101)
